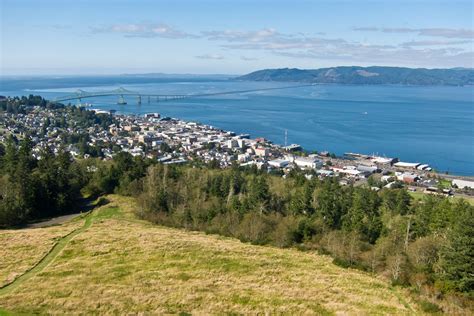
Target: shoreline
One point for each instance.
(308, 152)
(460, 165)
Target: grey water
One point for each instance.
(428, 124)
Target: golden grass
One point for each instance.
(123, 265)
(21, 249)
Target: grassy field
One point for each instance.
(115, 264)
(421, 195)
(22, 249)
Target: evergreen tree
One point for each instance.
(331, 203)
(458, 256)
(11, 155)
(363, 217)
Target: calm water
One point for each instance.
(420, 124)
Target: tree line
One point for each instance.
(51, 183)
(427, 244)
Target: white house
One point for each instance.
(278, 163)
(306, 162)
(410, 165)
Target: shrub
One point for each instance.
(102, 201)
(429, 307)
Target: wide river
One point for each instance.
(433, 125)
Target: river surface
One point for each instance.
(433, 125)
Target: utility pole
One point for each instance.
(286, 137)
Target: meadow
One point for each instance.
(115, 263)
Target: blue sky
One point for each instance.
(230, 36)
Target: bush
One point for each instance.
(429, 307)
(283, 234)
(254, 228)
(102, 201)
(341, 262)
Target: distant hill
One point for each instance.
(367, 75)
(180, 76)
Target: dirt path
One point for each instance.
(48, 258)
(54, 221)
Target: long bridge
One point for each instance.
(121, 92)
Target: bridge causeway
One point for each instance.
(121, 92)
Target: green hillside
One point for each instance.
(113, 263)
(367, 75)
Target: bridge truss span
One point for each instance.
(121, 92)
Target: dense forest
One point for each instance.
(31, 188)
(426, 244)
(55, 184)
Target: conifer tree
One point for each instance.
(458, 255)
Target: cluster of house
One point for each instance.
(39, 124)
(173, 141)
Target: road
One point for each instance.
(53, 221)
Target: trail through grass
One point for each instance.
(48, 258)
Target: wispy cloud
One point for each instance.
(449, 57)
(210, 56)
(61, 26)
(246, 58)
(144, 30)
(448, 49)
(366, 29)
(239, 36)
(434, 32)
(297, 46)
(267, 39)
(434, 43)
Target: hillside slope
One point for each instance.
(367, 75)
(118, 264)
(28, 247)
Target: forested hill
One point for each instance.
(367, 75)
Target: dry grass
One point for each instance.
(21, 249)
(124, 265)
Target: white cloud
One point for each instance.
(434, 43)
(447, 57)
(433, 32)
(449, 33)
(210, 56)
(144, 30)
(246, 58)
(448, 50)
(239, 36)
(300, 45)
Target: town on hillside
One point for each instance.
(96, 133)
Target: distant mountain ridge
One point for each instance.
(367, 75)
